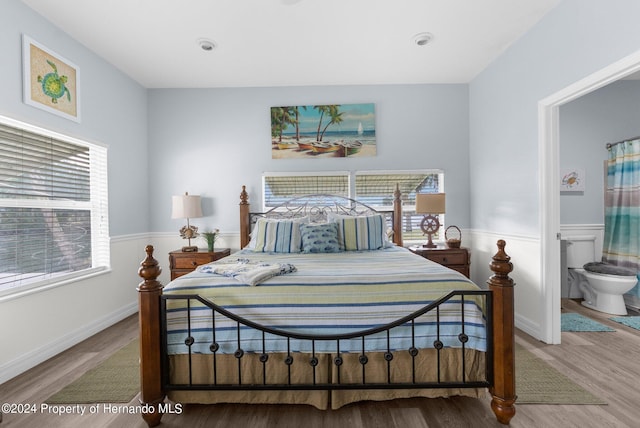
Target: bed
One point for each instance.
(323, 306)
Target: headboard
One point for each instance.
(317, 207)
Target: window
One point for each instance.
(53, 207)
(278, 188)
(373, 188)
(376, 188)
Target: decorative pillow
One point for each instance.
(278, 236)
(320, 238)
(333, 217)
(362, 233)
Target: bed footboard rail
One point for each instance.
(302, 351)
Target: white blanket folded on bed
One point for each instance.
(247, 271)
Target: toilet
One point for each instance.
(602, 284)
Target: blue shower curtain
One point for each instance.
(622, 208)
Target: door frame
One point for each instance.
(549, 177)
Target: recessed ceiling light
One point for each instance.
(422, 39)
(206, 44)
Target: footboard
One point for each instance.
(323, 359)
(281, 353)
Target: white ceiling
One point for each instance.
(294, 42)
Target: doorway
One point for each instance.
(548, 150)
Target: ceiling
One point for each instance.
(294, 42)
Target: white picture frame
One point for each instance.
(572, 180)
(50, 81)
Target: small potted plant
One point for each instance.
(210, 237)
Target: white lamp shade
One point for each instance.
(186, 206)
(430, 203)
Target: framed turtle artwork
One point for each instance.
(50, 82)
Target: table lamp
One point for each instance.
(430, 204)
(187, 206)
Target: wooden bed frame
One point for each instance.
(152, 379)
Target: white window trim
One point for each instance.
(100, 240)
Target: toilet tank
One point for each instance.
(581, 249)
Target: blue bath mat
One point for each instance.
(633, 322)
(576, 322)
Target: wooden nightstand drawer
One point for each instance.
(182, 263)
(454, 258)
(449, 258)
(191, 261)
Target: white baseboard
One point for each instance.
(33, 358)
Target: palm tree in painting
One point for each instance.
(330, 110)
(281, 118)
(336, 117)
(276, 122)
(322, 110)
(296, 114)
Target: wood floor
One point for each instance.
(607, 364)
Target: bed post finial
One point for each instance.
(149, 291)
(149, 271)
(244, 196)
(397, 216)
(245, 218)
(503, 390)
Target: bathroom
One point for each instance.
(608, 115)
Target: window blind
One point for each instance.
(279, 188)
(53, 207)
(376, 189)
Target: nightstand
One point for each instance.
(182, 263)
(454, 258)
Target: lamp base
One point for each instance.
(189, 249)
(429, 225)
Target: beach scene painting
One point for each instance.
(323, 131)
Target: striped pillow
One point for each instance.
(362, 233)
(277, 236)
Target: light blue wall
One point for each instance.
(36, 326)
(576, 39)
(113, 110)
(607, 115)
(212, 141)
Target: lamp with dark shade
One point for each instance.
(187, 206)
(430, 204)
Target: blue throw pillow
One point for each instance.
(320, 238)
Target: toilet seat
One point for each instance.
(608, 269)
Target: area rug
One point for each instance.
(571, 321)
(633, 322)
(539, 383)
(116, 380)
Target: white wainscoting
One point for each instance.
(525, 256)
(39, 325)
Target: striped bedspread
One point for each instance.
(328, 294)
